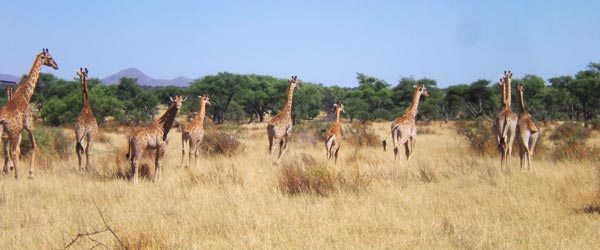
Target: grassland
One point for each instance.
(445, 198)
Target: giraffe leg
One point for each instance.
(14, 152)
(282, 147)
(413, 142)
(275, 142)
(407, 150)
(134, 162)
(5, 144)
(196, 154)
(329, 146)
(157, 164)
(88, 151)
(32, 139)
(337, 150)
(78, 147)
(533, 142)
(395, 136)
(183, 148)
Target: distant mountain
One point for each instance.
(11, 78)
(144, 79)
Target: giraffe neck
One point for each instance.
(522, 102)
(503, 94)
(9, 93)
(414, 105)
(508, 94)
(287, 108)
(84, 93)
(201, 113)
(27, 86)
(337, 115)
(167, 119)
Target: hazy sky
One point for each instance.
(320, 41)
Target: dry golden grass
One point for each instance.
(445, 198)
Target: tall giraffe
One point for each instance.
(194, 132)
(9, 95)
(280, 126)
(153, 137)
(527, 132)
(16, 115)
(86, 125)
(505, 124)
(405, 127)
(334, 135)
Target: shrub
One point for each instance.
(479, 135)
(570, 142)
(305, 175)
(225, 141)
(361, 135)
(48, 140)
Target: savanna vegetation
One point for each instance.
(451, 195)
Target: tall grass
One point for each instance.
(445, 197)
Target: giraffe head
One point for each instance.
(204, 99)
(339, 106)
(520, 88)
(47, 59)
(294, 83)
(507, 75)
(82, 73)
(421, 90)
(178, 100)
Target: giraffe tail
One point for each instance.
(79, 145)
(128, 150)
(505, 131)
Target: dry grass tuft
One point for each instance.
(304, 175)
(359, 134)
(225, 142)
(479, 135)
(570, 142)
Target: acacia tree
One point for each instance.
(222, 87)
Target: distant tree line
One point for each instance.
(250, 98)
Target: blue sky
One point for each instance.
(320, 41)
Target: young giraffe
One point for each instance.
(505, 124)
(152, 138)
(86, 125)
(334, 135)
(405, 128)
(9, 95)
(194, 132)
(527, 132)
(16, 115)
(280, 126)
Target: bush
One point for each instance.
(48, 141)
(570, 142)
(225, 141)
(360, 134)
(305, 175)
(479, 135)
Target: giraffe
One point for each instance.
(9, 95)
(16, 115)
(86, 126)
(405, 128)
(152, 137)
(527, 132)
(280, 126)
(194, 132)
(505, 124)
(334, 135)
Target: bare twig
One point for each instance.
(107, 228)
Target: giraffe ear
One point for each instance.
(184, 98)
(171, 99)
